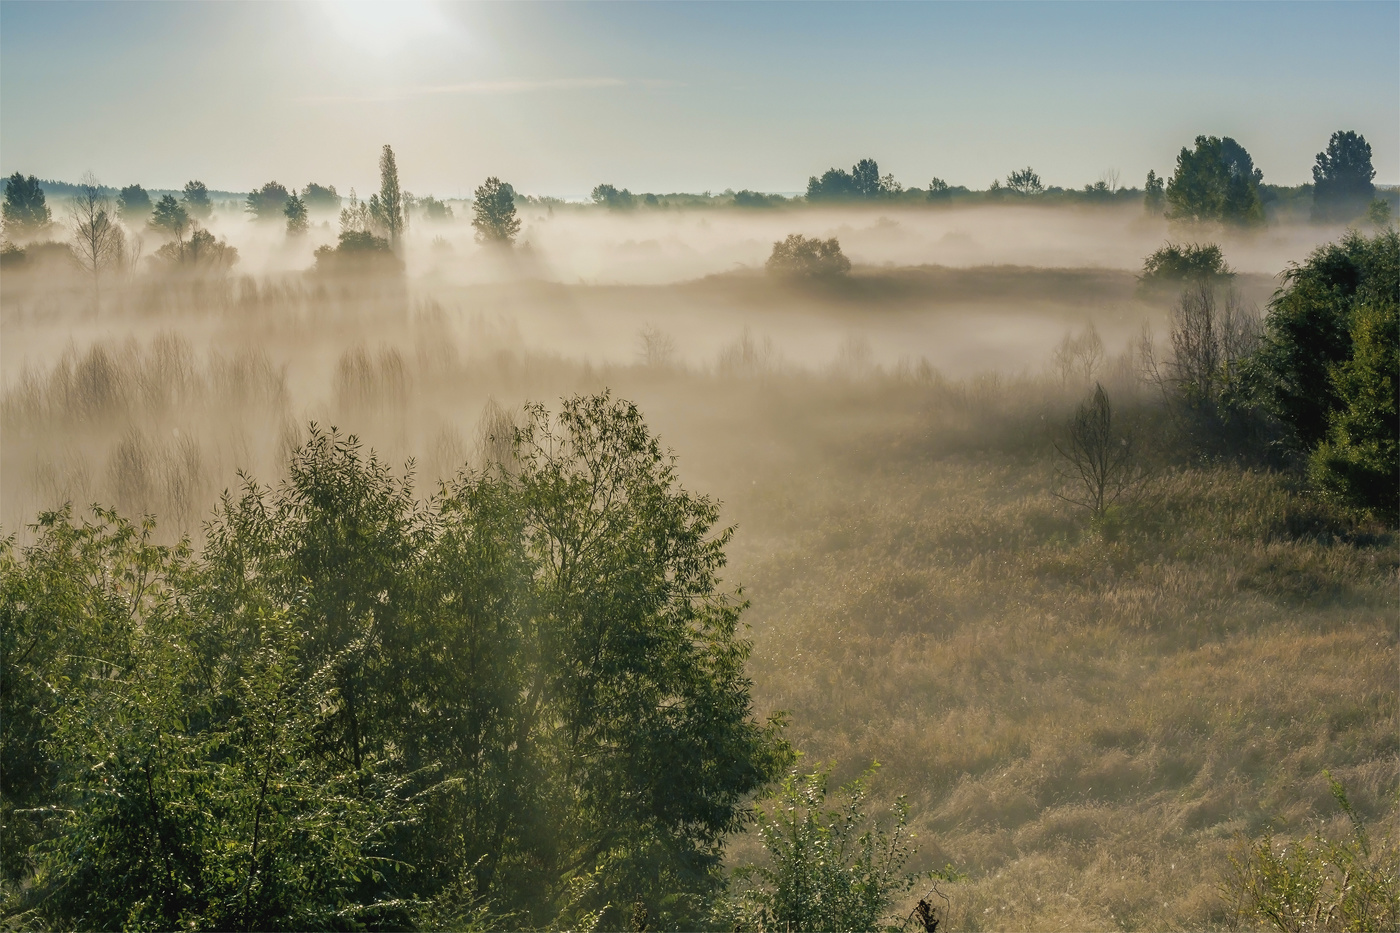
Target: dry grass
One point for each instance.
(1084, 722)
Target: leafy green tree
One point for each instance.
(1024, 182)
(295, 210)
(1309, 328)
(862, 182)
(434, 210)
(1342, 178)
(1215, 182)
(830, 867)
(170, 216)
(134, 204)
(938, 190)
(25, 211)
(195, 200)
(800, 257)
(1379, 213)
(865, 178)
(1154, 194)
(494, 212)
(267, 202)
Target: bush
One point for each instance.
(358, 251)
(1191, 264)
(829, 867)
(1318, 884)
(800, 257)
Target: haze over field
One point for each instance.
(554, 529)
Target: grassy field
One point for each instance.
(1086, 721)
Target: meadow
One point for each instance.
(1089, 719)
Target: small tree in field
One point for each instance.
(800, 257)
(494, 210)
(1099, 460)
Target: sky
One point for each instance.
(556, 98)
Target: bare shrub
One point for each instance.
(370, 383)
(496, 437)
(186, 480)
(748, 357)
(1100, 464)
(1079, 358)
(130, 474)
(655, 348)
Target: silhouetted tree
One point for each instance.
(1215, 182)
(295, 210)
(267, 202)
(387, 206)
(1154, 194)
(862, 182)
(98, 241)
(1024, 181)
(610, 197)
(494, 212)
(25, 211)
(1099, 460)
(1342, 178)
(196, 200)
(807, 258)
(170, 216)
(938, 190)
(134, 204)
(320, 197)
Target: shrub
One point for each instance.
(800, 257)
(1172, 266)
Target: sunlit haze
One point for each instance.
(671, 97)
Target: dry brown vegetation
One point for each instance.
(1088, 721)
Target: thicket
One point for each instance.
(519, 703)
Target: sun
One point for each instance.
(382, 28)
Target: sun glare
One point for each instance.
(383, 28)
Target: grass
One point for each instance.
(1088, 722)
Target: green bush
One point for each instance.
(801, 257)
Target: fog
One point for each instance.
(1057, 703)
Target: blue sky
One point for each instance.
(559, 97)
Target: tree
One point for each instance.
(98, 241)
(200, 253)
(494, 212)
(1342, 178)
(1024, 182)
(800, 257)
(865, 178)
(434, 210)
(296, 216)
(862, 182)
(1310, 329)
(387, 207)
(267, 202)
(1154, 194)
(170, 215)
(938, 190)
(134, 204)
(196, 201)
(25, 212)
(1099, 460)
(610, 197)
(1215, 182)
(320, 198)
(1379, 213)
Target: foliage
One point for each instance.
(170, 216)
(1215, 182)
(610, 197)
(800, 257)
(320, 197)
(134, 204)
(522, 698)
(1172, 266)
(1024, 181)
(1312, 334)
(200, 253)
(1342, 178)
(195, 200)
(494, 212)
(433, 209)
(25, 211)
(386, 207)
(357, 251)
(938, 190)
(267, 202)
(296, 212)
(748, 198)
(1317, 884)
(830, 866)
(862, 182)
(1359, 461)
(1378, 213)
(1154, 194)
